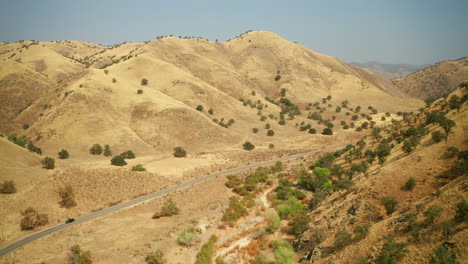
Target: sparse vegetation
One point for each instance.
(138, 167)
(248, 146)
(96, 149)
(205, 256)
(63, 154)
(48, 163)
(156, 257)
(410, 184)
(392, 252)
(77, 256)
(7, 187)
(188, 237)
(199, 108)
(342, 239)
(144, 81)
(179, 152)
(169, 208)
(389, 204)
(67, 196)
(32, 219)
(107, 151)
(118, 161)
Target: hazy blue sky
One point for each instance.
(392, 31)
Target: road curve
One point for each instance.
(42, 233)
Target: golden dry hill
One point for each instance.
(436, 80)
(144, 95)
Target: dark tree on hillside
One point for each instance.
(118, 161)
(63, 154)
(248, 146)
(179, 152)
(327, 131)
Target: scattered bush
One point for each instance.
(107, 151)
(277, 77)
(235, 211)
(205, 256)
(437, 136)
(169, 208)
(312, 131)
(138, 167)
(139, 91)
(25, 126)
(362, 231)
(274, 221)
(118, 161)
(299, 224)
(410, 184)
(389, 204)
(462, 212)
(327, 131)
(77, 256)
(157, 257)
(18, 140)
(96, 149)
(248, 146)
(342, 239)
(284, 252)
(199, 108)
(32, 219)
(391, 252)
(67, 196)
(271, 146)
(179, 152)
(48, 163)
(270, 133)
(127, 154)
(63, 154)
(34, 149)
(7, 187)
(210, 111)
(443, 255)
(255, 130)
(432, 213)
(188, 237)
(144, 81)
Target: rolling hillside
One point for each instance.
(436, 80)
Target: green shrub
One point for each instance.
(410, 184)
(235, 211)
(391, 252)
(188, 237)
(274, 221)
(107, 151)
(179, 152)
(127, 154)
(342, 239)
(277, 77)
(432, 213)
(169, 208)
(118, 161)
(248, 146)
(138, 167)
(299, 224)
(34, 149)
(48, 163)
(270, 133)
(462, 211)
(67, 196)
(96, 149)
(443, 255)
(18, 140)
(327, 131)
(389, 204)
(139, 91)
(284, 252)
(77, 256)
(156, 257)
(144, 81)
(7, 187)
(210, 111)
(362, 231)
(437, 136)
(199, 108)
(205, 256)
(63, 154)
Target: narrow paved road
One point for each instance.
(34, 236)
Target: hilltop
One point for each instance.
(436, 80)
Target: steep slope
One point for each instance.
(390, 71)
(436, 80)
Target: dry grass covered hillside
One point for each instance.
(436, 80)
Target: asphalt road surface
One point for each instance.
(37, 235)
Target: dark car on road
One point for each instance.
(70, 220)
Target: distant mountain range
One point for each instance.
(390, 71)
